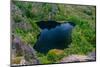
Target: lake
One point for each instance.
(56, 37)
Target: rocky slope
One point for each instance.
(22, 54)
(79, 58)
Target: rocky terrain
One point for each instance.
(79, 58)
(22, 54)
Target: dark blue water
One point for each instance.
(47, 24)
(58, 37)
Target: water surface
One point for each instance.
(56, 37)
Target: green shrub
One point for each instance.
(17, 18)
(60, 17)
(44, 60)
(88, 12)
(80, 44)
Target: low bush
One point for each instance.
(16, 60)
(55, 55)
(44, 60)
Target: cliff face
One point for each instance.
(22, 54)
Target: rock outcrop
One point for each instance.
(22, 54)
(79, 58)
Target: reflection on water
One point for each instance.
(58, 37)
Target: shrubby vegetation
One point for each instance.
(83, 35)
(54, 55)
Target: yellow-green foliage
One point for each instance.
(44, 60)
(55, 55)
(16, 60)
